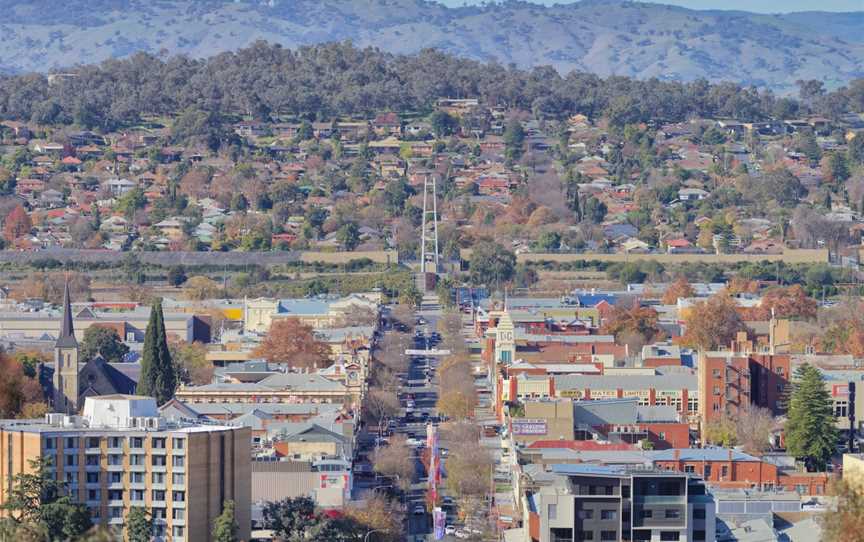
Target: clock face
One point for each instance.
(507, 336)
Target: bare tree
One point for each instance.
(395, 461)
(754, 428)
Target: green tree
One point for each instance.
(176, 275)
(595, 210)
(103, 342)
(348, 236)
(810, 432)
(37, 501)
(514, 140)
(491, 264)
(225, 527)
(139, 525)
(549, 241)
(131, 201)
(443, 123)
(158, 375)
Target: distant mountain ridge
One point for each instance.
(603, 37)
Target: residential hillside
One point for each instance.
(604, 37)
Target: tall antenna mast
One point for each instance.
(429, 231)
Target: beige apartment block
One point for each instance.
(121, 454)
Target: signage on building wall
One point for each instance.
(525, 426)
(840, 390)
(572, 394)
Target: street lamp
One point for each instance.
(366, 538)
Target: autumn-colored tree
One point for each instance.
(17, 224)
(200, 287)
(191, 361)
(711, 324)
(469, 469)
(293, 342)
(790, 302)
(844, 519)
(680, 287)
(17, 390)
(720, 432)
(635, 320)
(457, 404)
(740, 285)
(380, 514)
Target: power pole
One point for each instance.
(429, 231)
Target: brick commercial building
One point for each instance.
(121, 454)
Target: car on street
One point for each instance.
(449, 530)
(462, 534)
(419, 509)
(415, 442)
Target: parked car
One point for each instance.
(449, 529)
(419, 509)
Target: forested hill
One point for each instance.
(605, 37)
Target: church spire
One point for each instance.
(67, 332)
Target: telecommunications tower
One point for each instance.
(429, 233)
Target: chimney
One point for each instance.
(729, 451)
(676, 455)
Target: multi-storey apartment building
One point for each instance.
(121, 454)
(605, 503)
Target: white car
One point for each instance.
(419, 509)
(462, 534)
(449, 529)
(415, 442)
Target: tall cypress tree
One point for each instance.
(158, 375)
(811, 435)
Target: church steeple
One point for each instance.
(67, 331)
(66, 362)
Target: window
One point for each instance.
(159, 513)
(841, 409)
(115, 495)
(669, 535)
(716, 373)
(92, 477)
(115, 442)
(646, 514)
(136, 495)
(50, 443)
(779, 370)
(586, 535)
(625, 492)
(672, 513)
(136, 442)
(552, 511)
(801, 488)
(608, 535)
(699, 535)
(71, 477)
(91, 460)
(95, 514)
(608, 514)
(707, 472)
(178, 443)
(586, 514)
(158, 495)
(71, 442)
(716, 407)
(92, 442)
(690, 469)
(158, 478)
(716, 390)
(115, 459)
(158, 443)
(698, 513)
(724, 471)
(92, 494)
(136, 459)
(178, 461)
(178, 479)
(115, 478)
(158, 460)
(136, 477)
(180, 531)
(178, 513)
(116, 511)
(662, 435)
(178, 496)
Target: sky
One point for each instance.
(758, 6)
